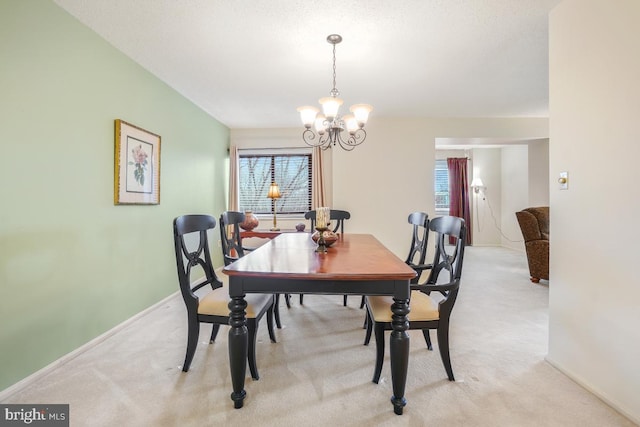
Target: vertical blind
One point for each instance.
(292, 173)
(441, 185)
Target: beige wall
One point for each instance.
(516, 176)
(594, 308)
(487, 205)
(391, 173)
(538, 165)
(515, 193)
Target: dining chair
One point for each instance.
(416, 256)
(232, 248)
(334, 215)
(427, 311)
(190, 235)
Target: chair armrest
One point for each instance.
(230, 259)
(430, 287)
(421, 267)
(214, 284)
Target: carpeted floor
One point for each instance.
(319, 373)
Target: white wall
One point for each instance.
(487, 205)
(391, 173)
(539, 173)
(594, 308)
(515, 193)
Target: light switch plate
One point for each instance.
(563, 181)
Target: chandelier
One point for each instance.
(330, 127)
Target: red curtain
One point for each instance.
(459, 192)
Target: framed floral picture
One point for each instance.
(137, 165)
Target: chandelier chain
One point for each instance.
(334, 91)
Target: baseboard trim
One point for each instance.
(39, 374)
(592, 390)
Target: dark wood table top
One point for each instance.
(264, 234)
(357, 257)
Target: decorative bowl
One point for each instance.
(250, 221)
(329, 237)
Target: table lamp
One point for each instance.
(274, 193)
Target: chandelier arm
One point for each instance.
(356, 138)
(312, 139)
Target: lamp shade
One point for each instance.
(308, 115)
(477, 182)
(321, 124)
(274, 191)
(351, 123)
(361, 113)
(330, 106)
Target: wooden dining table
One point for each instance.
(357, 264)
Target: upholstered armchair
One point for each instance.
(534, 223)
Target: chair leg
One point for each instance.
(214, 332)
(443, 344)
(270, 316)
(301, 295)
(252, 327)
(276, 311)
(368, 321)
(344, 300)
(427, 338)
(192, 342)
(379, 332)
(362, 302)
(287, 299)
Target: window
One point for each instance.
(441, 185)
(290, 170)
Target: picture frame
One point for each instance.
(137, 165)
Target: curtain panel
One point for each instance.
(459, 200)
(233, 178)
(317, 175)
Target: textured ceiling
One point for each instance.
(251, 63)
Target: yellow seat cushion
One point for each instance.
(216, 303)
(423, 307)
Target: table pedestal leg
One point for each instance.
(399, 351)
(238, 348)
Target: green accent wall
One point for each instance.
(72, 264)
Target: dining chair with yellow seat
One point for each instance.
(193, 258)
(427, 311)
(233, 248)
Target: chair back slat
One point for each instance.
(334, 215)
(447, 258)
(230, 236)
(419, 239)
(196, 228)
